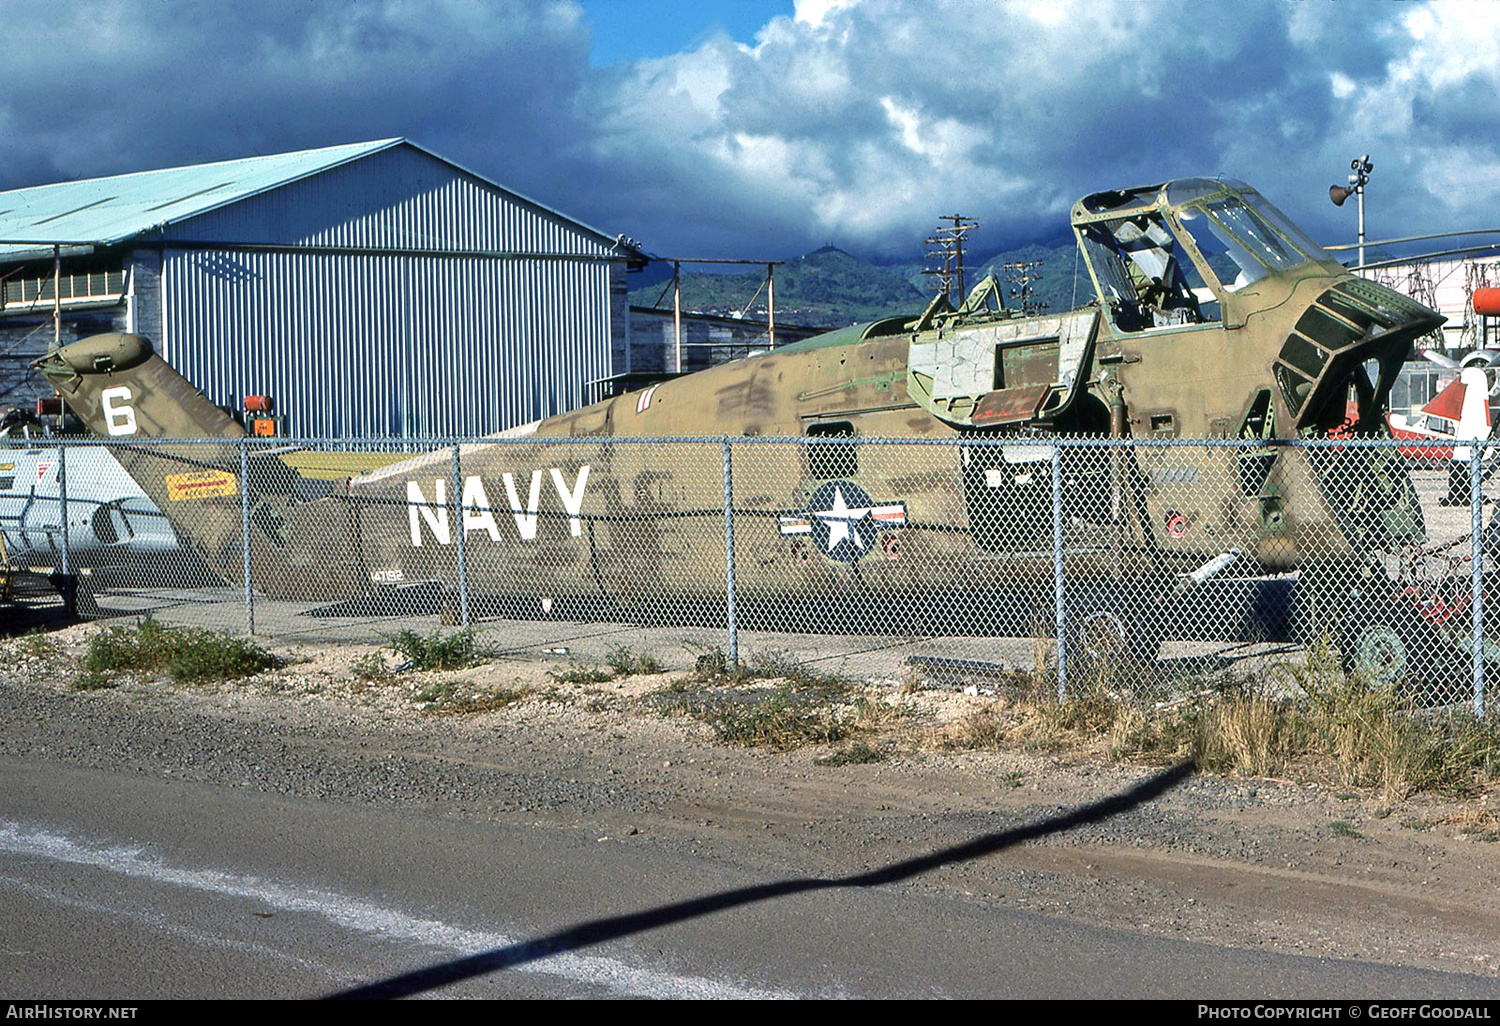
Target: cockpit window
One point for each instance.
(1235, 217)
(1144, 282)
(1166, 255)
(1244, 239)
(1119, 199)
(1229, 261)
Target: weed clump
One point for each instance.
(772, 665)
(369, 668)
(772, 701)
(779, 722)
(582, 673)
(435, 651)
(988, 726)
(1251, 735)
(209, 656)
(621, 661)
(450, 698)
(1376, 737)
(91, 680)
(626, 662)
(148, 645)
(37, 644)
(857, 754)
(783, 666)
(715, 665)
(1319, 721)
(187, 654)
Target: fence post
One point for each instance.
(734, 632)
(1476, 568)
(62, 506)
(245, 535)
(1057, 574)
(458, 529)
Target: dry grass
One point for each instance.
(1479, 824)
(1320, 724)
(1249, 735)
(984, 727)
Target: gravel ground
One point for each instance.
(1291, 866)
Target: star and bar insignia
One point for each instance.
(843, 521)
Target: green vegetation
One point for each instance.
(454, 698)
(714, 665)
(38, 644)
(830, 288)
(1054, 287)
(781, 721)
(187, 654)
(773, 664)
(626, 662)
(778, 664)
(775, 702)
(825, 288)
(369, 668)
(582, 673)
(91, 680)
(435, 651)
(620, 662)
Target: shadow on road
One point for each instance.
(614, 927)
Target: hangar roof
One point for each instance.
(78, 216)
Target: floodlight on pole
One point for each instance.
(1359, 174)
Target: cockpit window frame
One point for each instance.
(1195, 196)
(1134, 259)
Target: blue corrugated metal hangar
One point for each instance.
(368, 289)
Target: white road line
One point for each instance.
(161, 924)
(374, 920)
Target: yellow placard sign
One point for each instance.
(200, 484)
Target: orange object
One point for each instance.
(263, 427)
(258, 404)
(1487, 302)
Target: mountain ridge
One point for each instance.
(830, 287)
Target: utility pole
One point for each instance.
(946, 245)
(1019, 275)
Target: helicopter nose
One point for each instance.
(1350, 322)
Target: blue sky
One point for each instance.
(759, 129)
(626, 30)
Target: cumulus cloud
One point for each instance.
(848, 121)
(118, 85)
(861, 120)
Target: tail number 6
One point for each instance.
(119, 415)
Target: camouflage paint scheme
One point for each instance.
(1291, 346)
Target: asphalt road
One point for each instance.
(134, 885)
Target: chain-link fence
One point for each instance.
(1166, 562)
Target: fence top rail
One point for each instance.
(425, 445)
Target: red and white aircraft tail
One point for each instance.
(1459, 413)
